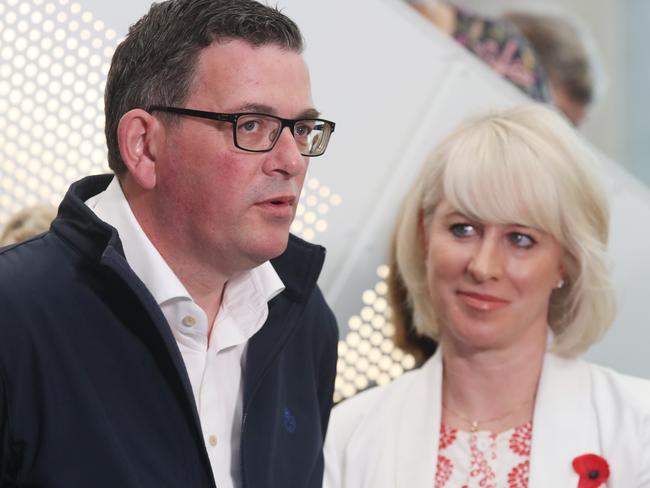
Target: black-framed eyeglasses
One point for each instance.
(257, 132)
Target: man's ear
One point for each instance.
(139, 136)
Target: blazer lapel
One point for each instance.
(419, 429)
(564, 423)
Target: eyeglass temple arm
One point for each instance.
(194, 113)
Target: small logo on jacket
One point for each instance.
(289, 421)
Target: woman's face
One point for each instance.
(490, 284)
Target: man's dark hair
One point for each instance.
(156, 62)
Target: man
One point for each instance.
(147, 340)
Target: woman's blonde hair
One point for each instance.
(522, 165)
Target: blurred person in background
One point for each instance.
(551, 58)
(569, 57)
(495, 41)
(27, 223)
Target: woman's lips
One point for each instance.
(481, 301)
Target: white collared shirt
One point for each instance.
(215, 364)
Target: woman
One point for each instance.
(501, 250)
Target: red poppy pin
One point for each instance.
(593, 470)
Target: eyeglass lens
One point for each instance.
(257, 132)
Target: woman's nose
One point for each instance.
(487, 261)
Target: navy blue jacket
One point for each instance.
(93, 389)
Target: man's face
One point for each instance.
(228, 208)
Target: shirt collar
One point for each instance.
(244, 308)
(112, 207)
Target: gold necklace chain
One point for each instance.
(474, 424)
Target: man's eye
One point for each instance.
(522, 240)
(249, 125)
(462, 230)
(302, 130)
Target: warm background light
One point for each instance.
(367, 355)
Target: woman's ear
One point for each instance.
(562, 269)
(561, 279)
(139, 136)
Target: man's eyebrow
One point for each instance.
(256, 107)
(310, 113)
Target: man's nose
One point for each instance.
(285, 156)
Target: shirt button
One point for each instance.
(212, 440)
(189, 321)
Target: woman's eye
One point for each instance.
(462, 230)
(522, 240)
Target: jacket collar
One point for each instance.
(79, 225)
(564, 424)
(299, 267)
(419, 430)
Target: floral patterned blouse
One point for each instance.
(482, 459)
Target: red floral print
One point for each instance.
(443, 471)
(480, 466)
(447, 436)
(521, 439)
(482, 459)
(593, 470)
(518, 477)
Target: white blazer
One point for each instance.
(387, 437)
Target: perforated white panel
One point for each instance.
(54, 59)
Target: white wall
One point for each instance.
(637, 100)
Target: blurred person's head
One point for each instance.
(27, 223)
(569, 58)
(521, 174)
